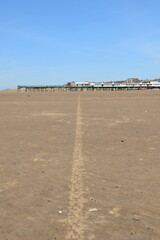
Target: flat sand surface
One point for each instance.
(80, 165)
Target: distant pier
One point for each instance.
(107, 87)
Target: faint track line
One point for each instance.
(76, 218)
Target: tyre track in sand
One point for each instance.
(76, 221)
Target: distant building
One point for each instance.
(81, 84)
(155, 82)
(133, 80)
(70, 84)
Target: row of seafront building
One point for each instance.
(127, 83)
(130, 84)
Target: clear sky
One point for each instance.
(56, 41)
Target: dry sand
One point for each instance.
(80, 166)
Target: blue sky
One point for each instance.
(56, 41)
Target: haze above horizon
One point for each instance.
(54, 42)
